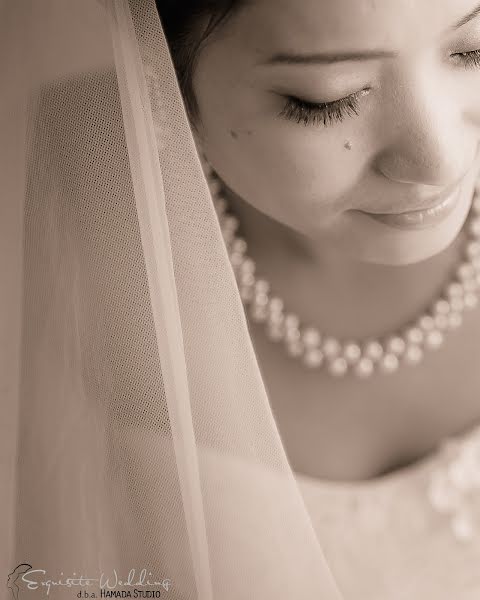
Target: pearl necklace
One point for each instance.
(315, 350)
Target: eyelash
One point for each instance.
(469, 59)
(329, 113)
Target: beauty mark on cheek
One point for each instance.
(347, 145)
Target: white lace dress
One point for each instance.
(413, 534)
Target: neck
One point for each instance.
(340, 296)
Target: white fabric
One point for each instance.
(385, 539)
(136, 432)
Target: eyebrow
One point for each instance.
(475, 12)
(327, 58)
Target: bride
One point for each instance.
(346, 137)
(240, 275)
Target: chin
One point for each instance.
(413, 254)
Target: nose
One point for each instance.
(429, 140)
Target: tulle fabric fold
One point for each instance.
(138, 446)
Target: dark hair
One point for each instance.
(181, 22)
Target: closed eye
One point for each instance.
(470, 60)
(321, 113)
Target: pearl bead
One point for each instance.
(276, 304)
(248, 266)
(292, 321)
(331, 347)
(441, 307)
(291, 334)
(457, 304)
(220, 206)
(465, 271)
(276, 318)
(455, 319)
(247, 279)
(441, 322)
(236, 259)
(389, 363)
(373, 350)
(313, 357)
(246, 294)
(454, 289)
(311, 337)
(338, 366)
(259, 313)
(395, 345)
(230, 223)
(413, 355)
(434, 339)
(275, 332)
(414, 335)
(295, 348)
(262, 286)
(239, 245)
(261, 299)
(352, 352)
(470, 300)
(364, 368)
(470, 285)
(228, 236)
(426, 323)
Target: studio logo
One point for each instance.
(107, 585)
(15, 582)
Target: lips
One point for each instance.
(420, 219)
(413, 205)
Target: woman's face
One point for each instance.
(404, 77)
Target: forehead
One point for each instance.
(338, 23)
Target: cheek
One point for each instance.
(291, 172)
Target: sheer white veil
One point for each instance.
(137, 441)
